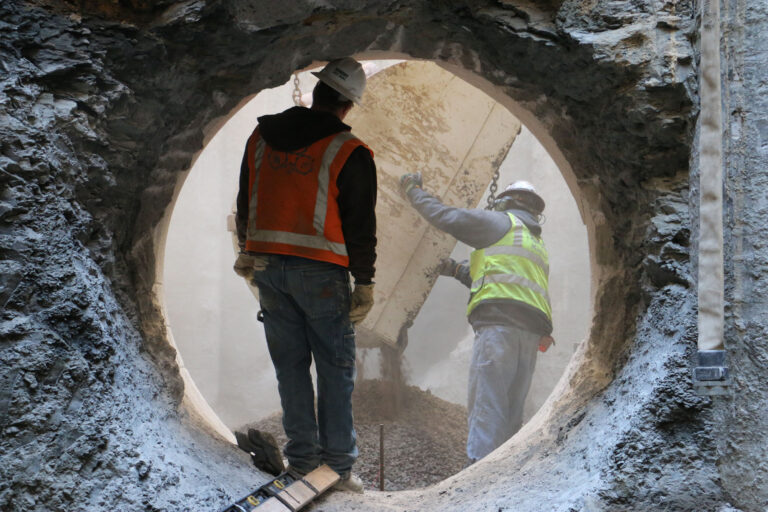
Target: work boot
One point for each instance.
(349, 483)
(263, 448)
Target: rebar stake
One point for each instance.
(381, 456)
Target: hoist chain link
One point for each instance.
(493, 188)
(297, 91)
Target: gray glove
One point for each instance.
(361, 302)
(447, 267)
(459, 270)
(408, 181)
(247, 263)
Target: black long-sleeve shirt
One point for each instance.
(299, 127)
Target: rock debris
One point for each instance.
(423, 444)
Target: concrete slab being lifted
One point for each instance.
(418, 117)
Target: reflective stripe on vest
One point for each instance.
(317, 243)
(518, 251)
(516, 267)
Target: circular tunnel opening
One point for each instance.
(211, 312)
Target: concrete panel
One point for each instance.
(420, 118)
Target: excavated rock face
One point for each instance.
(103, 107)
(742, 421)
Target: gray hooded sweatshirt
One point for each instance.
(480, 228)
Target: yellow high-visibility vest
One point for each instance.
(516, 268)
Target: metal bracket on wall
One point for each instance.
(710, 377)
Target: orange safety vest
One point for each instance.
(292, 206)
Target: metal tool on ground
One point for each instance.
(265, 453)
(288, 492)
(381, 456)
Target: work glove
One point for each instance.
(545, 342)
(361, 302)
(448, 267)
(265, 454)
(248, 262)
(455, 269)
(408, 181)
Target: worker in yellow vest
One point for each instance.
(509, 307)
(305, 221)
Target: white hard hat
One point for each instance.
(345, 76)
(526, 188)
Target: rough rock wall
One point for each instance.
(104, 104)
(742, 420)
(87, 422)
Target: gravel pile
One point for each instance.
(424, 436)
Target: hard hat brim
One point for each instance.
(533, 195)
(330, 82)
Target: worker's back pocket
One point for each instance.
(326, 292)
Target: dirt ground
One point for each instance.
(424, 442)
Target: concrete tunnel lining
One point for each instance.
(601, 84)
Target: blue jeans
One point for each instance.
(503, 360)
(305, 304)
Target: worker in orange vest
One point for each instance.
(305, 222)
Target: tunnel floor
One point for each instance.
(424, 437)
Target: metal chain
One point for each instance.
(297, 91)
(493, 188)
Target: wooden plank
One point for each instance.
(322, 478)
(297, 494)
(272, 505)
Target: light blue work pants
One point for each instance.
(305, 304)
(503, 360)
